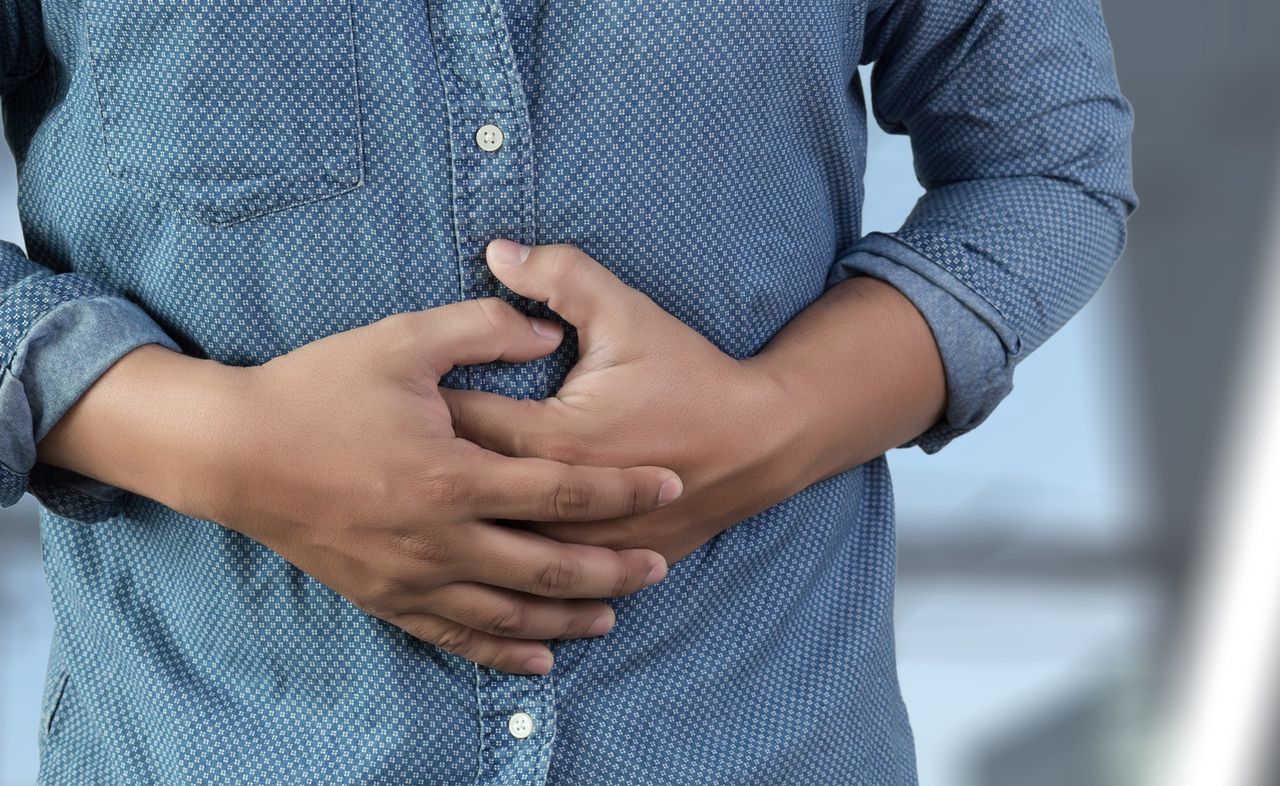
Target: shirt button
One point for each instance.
(520, 725)
(489, 137)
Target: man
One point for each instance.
(497, 393)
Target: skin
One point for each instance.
(486, 525)
(340, 456)
(855, 374)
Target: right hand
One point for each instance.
(347, 466)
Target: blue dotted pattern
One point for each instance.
(257, 174)
(34, 293)
(1017, 194)
(222, 140)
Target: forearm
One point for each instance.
(858, 372)
(153, 422)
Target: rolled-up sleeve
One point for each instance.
(58, 333)
(1021, 139)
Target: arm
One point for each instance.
(854, 374)
(857, 372)
(58, 330)
(151, 424)
(58, 333)
(339, 456)
(1021, 139)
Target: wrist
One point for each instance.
(210, 452)
(157, 423)
(775, 438)
(858, 372)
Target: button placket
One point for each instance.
(492, 186)
(491, 158)
(517, 722)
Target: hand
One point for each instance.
(647, 389)
(350, 469)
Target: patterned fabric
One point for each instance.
(236, 178)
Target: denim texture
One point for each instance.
(236, 178)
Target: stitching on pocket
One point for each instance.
(315, 184)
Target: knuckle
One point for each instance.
(565, 261)
(380, 490)
(495, 311)
(397, 322)
(448, 490)
(554, 445)
(421, 548)
(380, 596)
(573, 498)
(511, 619)
(557, 577)
(621, 583)
(455, 639)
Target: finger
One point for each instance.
(481, 331)
(516, 656)
(510, 614)
(570, 282)
(536, 489)
(522, 561)
(513, 427)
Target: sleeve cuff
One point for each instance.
(62, 332)
(978, 350)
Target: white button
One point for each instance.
(520, 725)
(489, 137)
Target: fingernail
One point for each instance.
(602, 625)
(546, 328)
(658, 573)
(507, 252)
(539, 664)
(669, 490)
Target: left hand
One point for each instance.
(647, 390)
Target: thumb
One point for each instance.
(570, 282)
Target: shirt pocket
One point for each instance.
(228, 109)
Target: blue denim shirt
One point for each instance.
(236, 178)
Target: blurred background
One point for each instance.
(1089, 591)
